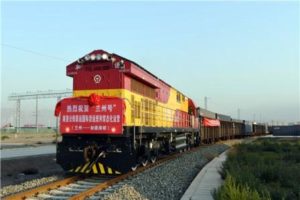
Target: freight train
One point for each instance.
(122, 116)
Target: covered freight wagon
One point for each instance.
(292, 130)
(259, 128)
(209, 125)
(238, 127)
(248, 128)
(225, 128)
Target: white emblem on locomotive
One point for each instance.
(97, 78)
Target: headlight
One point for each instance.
(105, 56)
(98, 57)
(87, 57)
(80, 60)
(93, 57)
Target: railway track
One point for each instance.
(89, 187)
(80, 187)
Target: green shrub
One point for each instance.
(230, 190)
(269, 167)
(4, 137)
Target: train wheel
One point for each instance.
(144, 162)
(133, 168)
(153, 159)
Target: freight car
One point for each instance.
(121, 116)
(215, 127)
(248, 128)
(259, 128)
(287, 130)
(225, 126)
(209, 126)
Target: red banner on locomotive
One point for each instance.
(78, 116)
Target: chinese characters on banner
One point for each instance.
(77, 116)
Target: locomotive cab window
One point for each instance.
(178, 97)
(183, 98)
(157, 94)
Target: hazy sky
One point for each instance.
(240, 54)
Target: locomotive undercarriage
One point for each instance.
(109, 154)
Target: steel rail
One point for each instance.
(44, 188)
(102, 186)
(97, 188)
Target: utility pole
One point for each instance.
(36, 113)
(260, 117)
(34, 96)
(18, 115)
(205, 102)
(239, 113)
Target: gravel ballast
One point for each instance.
(126, 192)
(27, 185)
(170, 180)
(166, 181)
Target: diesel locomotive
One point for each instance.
(121, 116)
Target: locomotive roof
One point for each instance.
(128, 60)
(148, 72)
(114, 54)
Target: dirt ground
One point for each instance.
(18, 170)
(238, 141)
(27, 139)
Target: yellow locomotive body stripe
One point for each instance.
(102, 170)
(95, 170)
(157, 114)
(78, 168)
(84, 167)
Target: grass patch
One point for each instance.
(4, 137)
(265, 169)
(230, 190)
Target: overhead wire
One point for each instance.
(34, 52)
